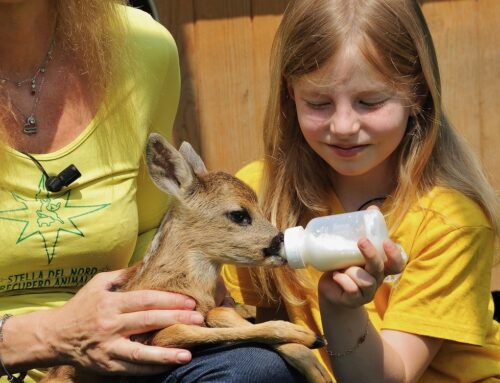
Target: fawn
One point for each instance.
(213, 219)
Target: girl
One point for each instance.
(355, 118)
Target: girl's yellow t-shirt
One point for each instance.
(444, 291)
(53, 243)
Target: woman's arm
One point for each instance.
(93, 330)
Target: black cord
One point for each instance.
(370, 201)
(38, 164)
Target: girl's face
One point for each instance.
(349, 116)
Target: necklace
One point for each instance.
(36, 82)
(38, 72)
(30, 122)
(376, 199)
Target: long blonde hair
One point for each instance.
(93, 33)
(394, 38)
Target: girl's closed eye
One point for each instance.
(374, 100)
(373, 103)
(367, 102)
(317, 104)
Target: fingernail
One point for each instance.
(391, 245)
(197, 318)
(404, 256)
(183, 357)
(363, 243)
(189, 304)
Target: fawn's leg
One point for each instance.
(296, 354)
(186, 336)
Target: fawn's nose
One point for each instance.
(275, 246)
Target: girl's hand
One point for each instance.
(93, 329)
(356, 286)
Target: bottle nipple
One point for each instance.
(293, 244)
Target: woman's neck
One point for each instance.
(27, 28)
(355, 191)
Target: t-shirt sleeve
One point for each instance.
(444, 290)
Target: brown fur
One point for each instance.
(198, 234)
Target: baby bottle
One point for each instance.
(330, 242)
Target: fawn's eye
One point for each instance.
(241, 217)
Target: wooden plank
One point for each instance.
(489, 86)
(223, 43)
(266, 18)
(454, 26)
(206, 60)
(178, 18)
(495, 278)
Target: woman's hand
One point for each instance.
(93, 329)
(355, 286)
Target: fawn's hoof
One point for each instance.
(319, 342)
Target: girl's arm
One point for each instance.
(93, 330)
(358, 351)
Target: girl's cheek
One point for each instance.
(314, 121)
(392, 116)
(311, 129)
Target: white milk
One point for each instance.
(331, 252)
(330, 243)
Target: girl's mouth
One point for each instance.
(347, 151)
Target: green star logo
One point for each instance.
(48, 217)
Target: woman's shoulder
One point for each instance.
(152, 52)
(146, 31)
(251, 174)
(451, 207)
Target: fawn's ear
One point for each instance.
(192, 158)
(167, 167)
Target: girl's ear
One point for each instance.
(418, 100)
(416, 108)
(289, 88)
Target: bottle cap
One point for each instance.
(294, 241)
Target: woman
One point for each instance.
(84, 83)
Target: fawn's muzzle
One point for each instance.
(275, 246)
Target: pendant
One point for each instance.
(33, 86)
(30, 125)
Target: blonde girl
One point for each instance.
(355, 118)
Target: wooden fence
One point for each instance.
(224, 48)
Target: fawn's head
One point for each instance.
(213, 214)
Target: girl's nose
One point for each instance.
(344, 121)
